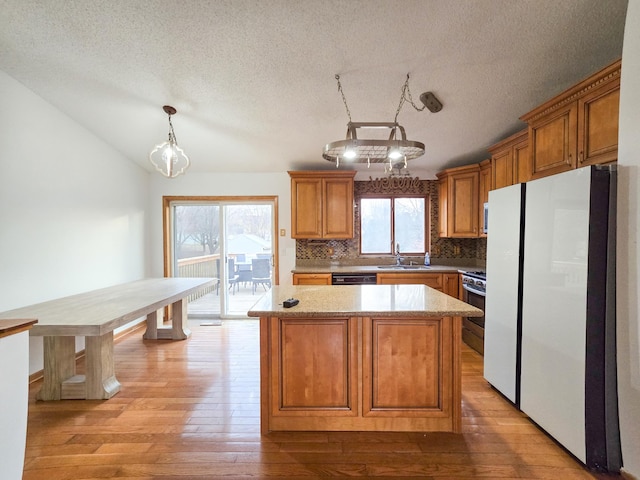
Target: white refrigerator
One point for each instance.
(552, 332)
(503, 301)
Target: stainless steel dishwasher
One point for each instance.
(353, 279)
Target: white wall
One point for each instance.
(14, 398)
(628, 300)
(72, 209)
(228, 184)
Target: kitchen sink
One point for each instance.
(404, 267)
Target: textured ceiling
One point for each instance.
(253, 80)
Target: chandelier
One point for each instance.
(396, 149)
(168, 158)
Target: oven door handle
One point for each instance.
(469, 288)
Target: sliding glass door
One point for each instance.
(230, 239)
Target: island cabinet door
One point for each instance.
(313, 370)
(409, 372)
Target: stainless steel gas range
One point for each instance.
(474, 284)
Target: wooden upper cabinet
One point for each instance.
(510, 160)
(458, 202)
(443, 216)
(306, 207)
(598, 125)
(554, 142)
(502, 169)
(485, 188)
(578, 127)
(322, 204)
(337, 207)
(521, 161)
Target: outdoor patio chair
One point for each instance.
(233, 275)
(261, 273)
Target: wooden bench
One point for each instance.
(95, 315)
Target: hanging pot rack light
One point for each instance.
(395, 149)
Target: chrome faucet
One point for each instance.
(398, 257)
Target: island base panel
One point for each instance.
(363, 353)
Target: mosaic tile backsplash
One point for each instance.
(450, 251)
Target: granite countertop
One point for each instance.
(381, 268)
(361, 300)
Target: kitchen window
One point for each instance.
(389, 220)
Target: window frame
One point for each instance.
(392, 197)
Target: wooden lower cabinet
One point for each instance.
(443, 282)
(312, 279)
(360, 374)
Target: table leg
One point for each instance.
(59, 365)
(101, 382)
(178, 329)
(152, 326)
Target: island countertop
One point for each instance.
(361, 300)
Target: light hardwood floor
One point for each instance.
(190, 410)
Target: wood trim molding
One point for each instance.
(607, 74)
(166, 219)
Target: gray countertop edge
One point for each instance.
(378, 269)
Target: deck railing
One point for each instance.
(203, 266)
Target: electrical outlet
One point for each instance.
(456, 250)
(283, 232)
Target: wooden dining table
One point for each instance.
(95, 315)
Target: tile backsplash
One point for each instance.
(450, 251)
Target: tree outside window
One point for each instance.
(388, 221)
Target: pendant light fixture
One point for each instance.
(168, 158)
(394, 150)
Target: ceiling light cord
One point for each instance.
(406, 96)
(172, 134)
(344, 100)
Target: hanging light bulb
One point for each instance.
(168, 158)
(396, 154)
(349, 153)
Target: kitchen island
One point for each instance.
(360, 358)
